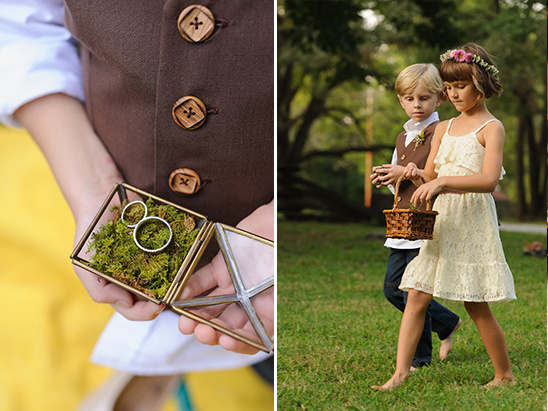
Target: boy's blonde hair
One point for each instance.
(409, 78)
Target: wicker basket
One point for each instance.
(408, 223)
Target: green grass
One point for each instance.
(337, 334)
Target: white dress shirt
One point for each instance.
(38, 55)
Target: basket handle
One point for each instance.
(400, 179)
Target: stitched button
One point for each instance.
(196, 23)
(185, 181)
(189, 112)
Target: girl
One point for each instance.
(465, 260)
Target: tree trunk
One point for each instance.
(521, 201)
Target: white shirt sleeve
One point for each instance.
(38, 55)
(395, 162)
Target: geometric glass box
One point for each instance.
(161, 252)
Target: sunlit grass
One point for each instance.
(337, 334)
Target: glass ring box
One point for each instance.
(161, 252)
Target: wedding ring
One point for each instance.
(127, 206)
(147, 219)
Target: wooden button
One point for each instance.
(403, 157)
(185, 181)
(196, 23)
(189, 112)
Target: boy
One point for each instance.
(418, 87)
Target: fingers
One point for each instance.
(101, 291)
(231, 344)
(383, 175)
(187, 325)
(208, 335)
(411, 171)
(375, 177)
(422, 195)
(140, 311)
(214, 274)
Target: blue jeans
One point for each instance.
(438, 318)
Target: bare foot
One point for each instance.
(391, 384)
(447, 344)
(501, 382)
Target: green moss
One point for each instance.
(117, 255)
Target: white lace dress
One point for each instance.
(465, 260)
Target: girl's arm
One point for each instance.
(85, 173)
(493, 138)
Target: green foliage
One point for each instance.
(116, 254)
(337, 334)
(331, 52)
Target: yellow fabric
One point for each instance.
(49, 324)
(235, 390)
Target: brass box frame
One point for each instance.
(207, 230)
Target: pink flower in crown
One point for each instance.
(460, 56)
(468, 57)
(452, 53)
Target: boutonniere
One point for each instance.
(419, 138)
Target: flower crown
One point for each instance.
(462, 56)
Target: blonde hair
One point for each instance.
(410, 77)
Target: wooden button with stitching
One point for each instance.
(196, 23)
(189, 112)
(185, 181)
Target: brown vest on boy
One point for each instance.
(213, 65)
(410, 154)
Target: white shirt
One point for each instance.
(411, 130)
(38, 56)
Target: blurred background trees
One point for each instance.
(337, 64)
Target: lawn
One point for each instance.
(337, 334)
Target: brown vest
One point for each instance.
(408, 155)
(136, 65)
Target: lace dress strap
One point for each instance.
(449, 125)
(484, 124)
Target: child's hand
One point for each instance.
(260, 265)
(412, 172)
(387, 174)
(102, 291)
(375, 177)
(426, 192)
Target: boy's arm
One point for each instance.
(85, 173)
